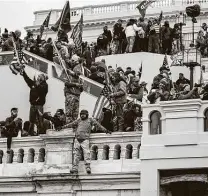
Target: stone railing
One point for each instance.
(189, 118)
(120, 9)
(52, 153)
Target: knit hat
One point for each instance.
(45, 77)
(61, 111)
(119, 69)
(111, 70)
(84, 112)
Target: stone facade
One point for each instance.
(96, 16)
(40, 166)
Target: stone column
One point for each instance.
(58, 147)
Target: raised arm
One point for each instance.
(99, 126)
(29, 82)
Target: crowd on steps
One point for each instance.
(123, 89)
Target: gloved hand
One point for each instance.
(59, 128)
(108, 132)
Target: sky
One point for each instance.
(16, 14)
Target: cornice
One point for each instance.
(111, 21)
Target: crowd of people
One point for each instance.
(126, 91)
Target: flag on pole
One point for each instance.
(77, 33)
(102, 102)
(142, 7)
(19, 61)
(64, 22)
(160, 17)
(45, 24)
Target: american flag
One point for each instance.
(19, 58)
(77, 33)
(102, 102)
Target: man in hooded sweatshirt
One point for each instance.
(38, 92)
(83, 127)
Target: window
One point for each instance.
(155, 123)
(206, 120)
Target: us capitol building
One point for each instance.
(173, 162)
(97, 16)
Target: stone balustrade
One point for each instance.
(189, 118)
(117, 10)
(52, 153)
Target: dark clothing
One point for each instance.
(166, 35)
(97, 78)
(37, 92)
(108, 35)
(49, 52)
(102, 42)
(117, 32)
(156, 81)
(35, 118)
(87, 55)
(58, 121)
(12, 128)
(182, 81)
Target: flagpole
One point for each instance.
(61, 60)
(15, 50)
(46, 33)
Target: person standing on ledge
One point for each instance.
(38, 92)
(72, 92)
(83, 127)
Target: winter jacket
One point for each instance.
(97, 78)
(131, 30)
(84, 127)
(108, 35)
(37, 92)
(73, 87)
(120, 95)
(117, 32)
(57, 121)
(12, 126)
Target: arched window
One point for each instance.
(206, 120)
(117, 152)
(129, 150)
(94, 154)
(20, 156)
(155, 123)
(106, 152)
